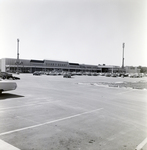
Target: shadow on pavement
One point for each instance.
(8, 95)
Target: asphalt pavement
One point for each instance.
(78, 113)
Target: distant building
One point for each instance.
(29, 66)
(131, 69)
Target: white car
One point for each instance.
(6, 85)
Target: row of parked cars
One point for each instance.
(54, 73)
(131, 75)
(5, 82)
(69, 74)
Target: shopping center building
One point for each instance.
(30, 65)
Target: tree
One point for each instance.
(142, 69)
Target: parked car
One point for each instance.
(113, 75)
(7, 85)
(135, 75)
(95, 74)
(5, 75)
(108, 74)
(67, 75)
(37, 73)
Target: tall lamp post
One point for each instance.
(17, 54)
(18, 62)
(123, 46)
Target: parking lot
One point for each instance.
(78, 113)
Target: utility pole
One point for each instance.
(17, 62)
(123, 46)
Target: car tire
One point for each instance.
(3, 77)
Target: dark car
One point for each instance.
(67, 75)
(37, 73)
(108, 74)
(113, 75)
(5, 75)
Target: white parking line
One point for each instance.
(16, 107)
(7, 146)
(128, 91)
(141, 145)
(50, 122)
(27, 105)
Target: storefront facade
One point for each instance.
(29, 66)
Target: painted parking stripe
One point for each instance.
(141, 145)
(128, 91)
(50, 122)
(32, 104)
(7, 146)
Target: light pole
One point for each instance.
(17, 61)
(17, 54)
(123, 46)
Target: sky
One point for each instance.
(77, 31)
